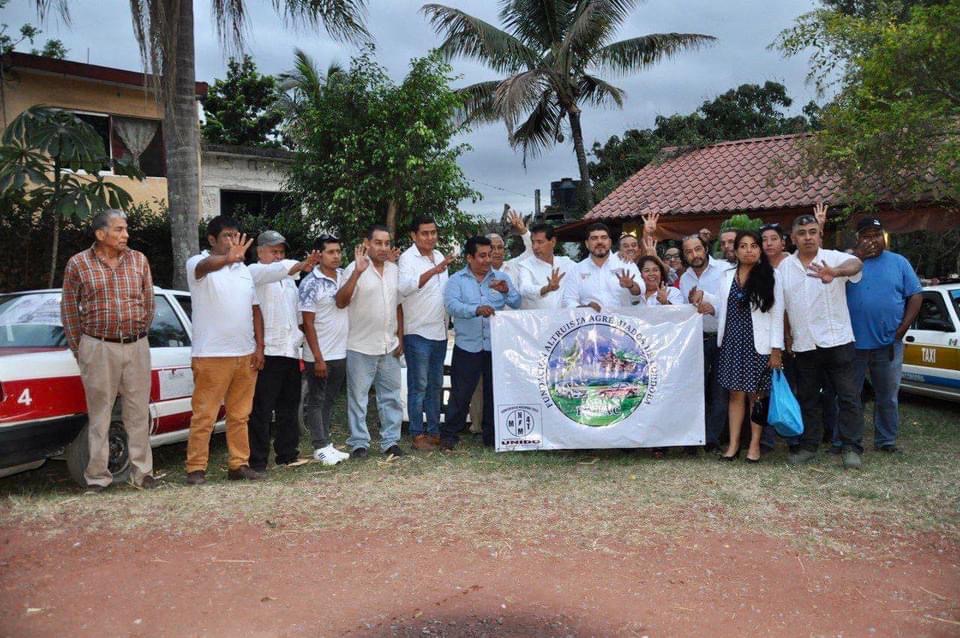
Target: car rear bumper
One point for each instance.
(37, 440)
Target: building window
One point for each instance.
(101, 124)
(263, 203)
(122, 135)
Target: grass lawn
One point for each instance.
(606, 500)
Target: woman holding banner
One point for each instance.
(656, 292)
(750, 336)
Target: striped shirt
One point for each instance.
(106, 302)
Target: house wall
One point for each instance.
(26, 88)
(228, 171)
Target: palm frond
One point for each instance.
(520, 93)
(633, 54)
(59, 7)
(537, 21)
(230, 18)
(597, 92)
(343, 19)
(478, 104)
(470, 37)
(541, 129)
(594, 23)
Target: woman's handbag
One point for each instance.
(761, 407)
(784, 414)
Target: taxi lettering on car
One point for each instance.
(931, 356)
(42, 403)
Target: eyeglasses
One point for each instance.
(803, 220)
(767, 227)
(672, 255)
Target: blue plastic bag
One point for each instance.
(784, 414)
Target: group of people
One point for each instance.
(827, 317)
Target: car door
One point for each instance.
(931, 357)
(172, 376)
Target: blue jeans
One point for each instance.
(885, 366)
(424, 382)
(383, 373)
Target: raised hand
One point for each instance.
(516, 221)
(650, 245)
(553, 282)
(312, 259)
(500, 285)
(238, 248)
(821, 271)
(820, 212)
(695, 296)
(394, 254)
(662, 294)
(439, 268)
(360, 256)
(626, 279)
(867, 248)
(650, 223)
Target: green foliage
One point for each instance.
(241, 109)
(52, 49)
(369, 149)
(28, 33)
(748, 111)
(895, 124)
(741, 221)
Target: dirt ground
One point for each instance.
(249, 580)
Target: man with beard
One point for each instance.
(700, 285)
(601, 281)
(727, 239)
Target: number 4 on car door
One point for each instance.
(25, 398)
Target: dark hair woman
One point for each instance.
(750, 336)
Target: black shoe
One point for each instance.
(244, 473)
(196, 477)
(889, 449)
(711, 448)
(359, 453)
(836, 450)
(149, 482)
(729, 458)
(447, 445)
(394, 450)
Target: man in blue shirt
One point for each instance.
(471, 297)
(882, 306)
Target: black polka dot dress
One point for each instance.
(741, 366)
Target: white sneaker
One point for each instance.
(329, 455)
(343, 455)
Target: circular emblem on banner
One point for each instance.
(598, 374)
(519, 421)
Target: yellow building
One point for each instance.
(114, 101)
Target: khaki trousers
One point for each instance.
(227, 381)
(107, 369)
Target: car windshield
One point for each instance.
(31, 320)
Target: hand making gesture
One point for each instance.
(516, 221)
(500, 285)
(238, 248)
(553, 282)
(650, 245)
(626, 279)
(360, 256)
(821, 271)
(820, 212)
(650, 223)
(662, 294)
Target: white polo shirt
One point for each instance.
(710, 282)
(600, 284)
(817, 311)
(318, 295)
(534, 273)
(277, 292)
(222, 314)
(373, 310)
(423, 310)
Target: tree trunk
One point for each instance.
(392, 219)
(54, 249)
(586, 190)
(182, 144)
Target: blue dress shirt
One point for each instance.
(464, 294)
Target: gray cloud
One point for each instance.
(101, 34)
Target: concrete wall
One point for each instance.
(228, 171)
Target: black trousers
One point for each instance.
(820, 368)
(278, 392)
(717, 397)
(466, 369)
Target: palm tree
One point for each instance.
(164, 31)
(302, 86)
(550, 50)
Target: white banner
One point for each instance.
(569, 379)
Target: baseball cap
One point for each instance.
(271, 238)
(867, 223)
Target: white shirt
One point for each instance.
(817, 312)
(710, 283)
(600, 284)
(222, 313)
(277, 292)
(373, 310)
(673, 296)
(534, 273)
(512, 266)
(423, 310)
(318, 295)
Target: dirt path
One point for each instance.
(253, 581)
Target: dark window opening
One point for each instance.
(153, 159)
(101, 124)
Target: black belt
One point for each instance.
(124, 339)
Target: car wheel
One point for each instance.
(78, 454)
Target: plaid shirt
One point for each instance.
(105, 302)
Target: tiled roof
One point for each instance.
(727, 177)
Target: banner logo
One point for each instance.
(597, 370)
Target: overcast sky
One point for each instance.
(101, 33)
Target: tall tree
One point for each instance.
(165, 32)
(551, 52)
(750, 110)
(373, 151)
(241, 109)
